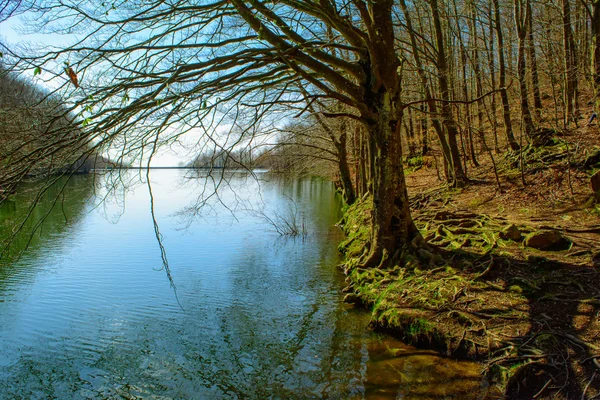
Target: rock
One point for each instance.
(595, 182)
(511, 232)
(516, 289)
(596, 259)
(352, 298)
(424, 255)
(348, 289)
(537, 260)
(592, 159)
(542, 137)
(547, 240)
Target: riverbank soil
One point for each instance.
(517, 281)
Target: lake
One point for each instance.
(89, 310)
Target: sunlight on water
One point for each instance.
(87, 311)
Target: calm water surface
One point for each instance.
(88, 310)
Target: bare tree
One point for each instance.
(150, 72)
(510, 138)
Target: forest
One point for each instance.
(463, 136)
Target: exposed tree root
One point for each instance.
(467, 292)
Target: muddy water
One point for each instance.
(88, 310)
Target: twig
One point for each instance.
(578, 341)
(538, 394)
(487, 270)
(588, 386)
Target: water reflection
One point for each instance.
(93, 316)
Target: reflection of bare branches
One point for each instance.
(159, 237)
(288, 223)
(38, 221)
(219, 188)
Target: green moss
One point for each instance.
(516, 289)
(414, 163)
(357, 228)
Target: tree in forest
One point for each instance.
(38, 136)
(594, 14)
(149, 72)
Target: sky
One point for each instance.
(11, 33)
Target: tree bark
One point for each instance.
(510, 138)
(343, 167)
(424, 131)
(459, 176)
(431, 104)
(392, 224)
(535, 80)
(521, 28)
(595, 51)
(491, 66)
(570, 66)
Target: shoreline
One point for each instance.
(481, 300)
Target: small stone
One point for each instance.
(547, 240)
(352, 298)
(592, 159)
(596, 259)
(424, 255)
(537, 260)
(440, 230)
(511, 232)
(516, 289)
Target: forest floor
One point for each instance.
(517, 285)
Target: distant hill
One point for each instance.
(38, 135)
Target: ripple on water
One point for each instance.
(88, 312)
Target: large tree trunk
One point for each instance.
(392, 224)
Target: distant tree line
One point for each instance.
(38, 136)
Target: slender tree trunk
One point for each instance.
(364, 170)
(510, 138)
(535, 80)
(468, 116)
(424, 130)
(521, 28)
(426, 87)
(492, 69)
(570, 66)
(356, 160)
(595, 51)
(446, 108)
(410, 134)
(476, 65)
(343, 166)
